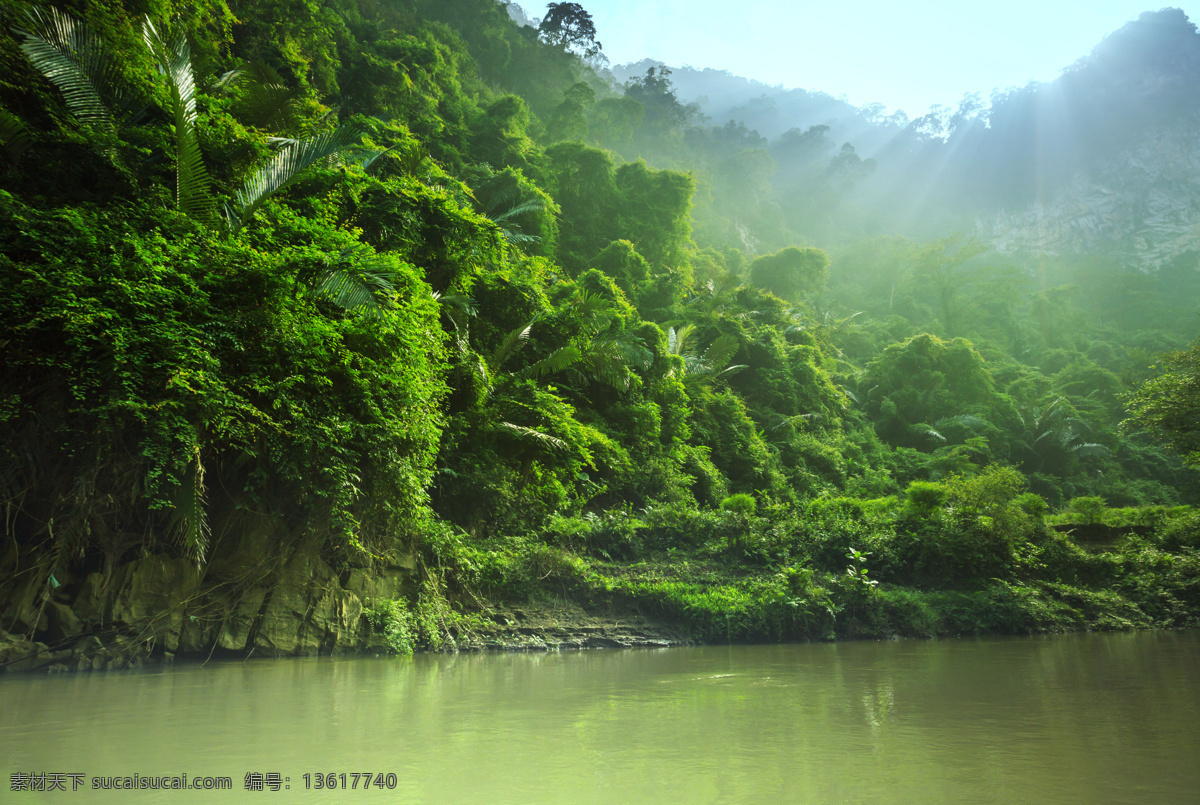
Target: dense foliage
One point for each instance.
(409, 276)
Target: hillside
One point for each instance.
(1102, 159)
(358, 330)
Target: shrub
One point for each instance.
(1032, 504)
(740, 503)
(924, 497)
(1088, 510)
(1182, 532)
(395, 621)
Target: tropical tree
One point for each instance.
(570, 27)
(1053, 436)
(84, 69)
(939, 265)
(708, 366)
(791, 273)
(1168, 406)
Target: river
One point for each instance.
(1092, 718)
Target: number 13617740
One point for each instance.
(349, 780)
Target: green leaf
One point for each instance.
(75, 60)
(190, 517)
(512, 344)
(556, 361)
(14, 137)
(537, 436)
(193, 188)
(283, 169)
(721, 352)
(363, 287)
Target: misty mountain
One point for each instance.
(772, 110)
(1104, 157)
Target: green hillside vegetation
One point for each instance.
(410, 285)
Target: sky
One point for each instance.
(905, 54)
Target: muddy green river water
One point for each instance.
(1078, 719)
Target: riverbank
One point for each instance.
(251, 601)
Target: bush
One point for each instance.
(1087, 510)
(740, 503)
(923, 498)
(1181, 532)
(1033, 505)
(394, 620)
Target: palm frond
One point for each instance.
(374, 155)
(363, 287)
(224, 81)
(267, 102)
(512, 343)
(605, 361)
(607, 369)
(729, 371)
(190, 517)
(1046, 434)
(544, 439)
(556, 361)
(961, 420)
(592, 308)
(721, 351)
(786, 421)
(14, 136)
(284, 167)
(626, 347)
(529, 205)
(677, 340)
(75, 60)
(414, 159)
(193, 188)
(1090, 450)
(460, 302)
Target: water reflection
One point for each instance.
(1084, 718)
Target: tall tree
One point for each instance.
(792, 272)
(570, 27)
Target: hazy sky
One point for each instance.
(907, 54)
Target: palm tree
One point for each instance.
(1053, 436)
(76, 61)
(193, 188)
(501, 200)
(69, 54)
(712, 364)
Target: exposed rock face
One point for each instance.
(249, 602)
(1142, 203)
(254, 603)
(567, 626)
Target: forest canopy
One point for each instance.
(410, 278)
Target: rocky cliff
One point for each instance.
(1142, 203)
